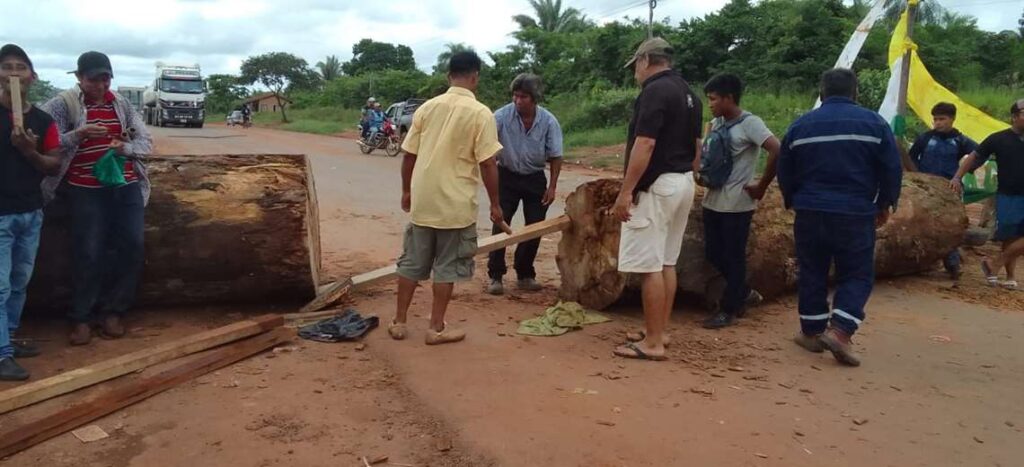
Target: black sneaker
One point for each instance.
(719, 320)
(23, 349)
(11, 371)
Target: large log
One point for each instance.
(219, 229)
(929, 223)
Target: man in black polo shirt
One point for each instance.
(658, 189)
(27, 154)
(1008, 148)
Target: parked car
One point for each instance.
(235, 118)
(401, 114)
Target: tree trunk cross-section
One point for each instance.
(929, 223)
(219, 229)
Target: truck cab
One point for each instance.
(177, 96)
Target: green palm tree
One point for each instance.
(928, 11)
(450, 49)
(551, 17)
(330, 68)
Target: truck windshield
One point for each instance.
(181, 86)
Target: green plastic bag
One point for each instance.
(109, 170)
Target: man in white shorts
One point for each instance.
(658, 189)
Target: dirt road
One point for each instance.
(941, 383)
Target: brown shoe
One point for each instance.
(111, 327)
(445, 336)
(396, 330)
(841, 346)
(809, 343)
(81, 334)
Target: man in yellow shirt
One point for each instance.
(452, 145)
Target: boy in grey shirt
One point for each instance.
(729, 209)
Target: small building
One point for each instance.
(266, 102)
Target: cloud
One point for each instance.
(220, 34)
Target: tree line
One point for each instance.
(774, 45)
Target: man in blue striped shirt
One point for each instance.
(839, 169)
(532, 139)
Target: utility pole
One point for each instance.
(650, 18)
(901, 103)
(900, 124)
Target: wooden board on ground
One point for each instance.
(17, 108)
(238, 228)
(337, 291)
(38, 391)
(18, 438)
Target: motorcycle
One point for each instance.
(386, 139)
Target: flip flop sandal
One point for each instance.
(641, 335)
(638, 354)
(1009, 285)
(990, 278)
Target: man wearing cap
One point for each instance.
(1007, 147)
(27, 153)
(93, 120)
(658, 189)
(532, 138)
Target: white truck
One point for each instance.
(177, 96)
(133, 94)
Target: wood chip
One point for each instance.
(807, 391)
(860, 421)
(978, 440)
(787, 385)
(763, 456)
(378, 459)
(736, 368)
(360, 347)
(896, 388)
(605, 423)
(90, 433)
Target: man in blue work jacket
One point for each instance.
(839, 169)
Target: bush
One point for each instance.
(598, 109)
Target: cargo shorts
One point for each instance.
(448, 253)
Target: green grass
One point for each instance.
(594, 138)
(320, 120)
(778, 110)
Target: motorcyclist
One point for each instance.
(376, 120)
(246, 115)
(364, 121)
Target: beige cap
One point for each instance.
(652, 46)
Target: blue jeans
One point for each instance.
(725, 246)
(19, 241)
(849, 241)
(107, 226)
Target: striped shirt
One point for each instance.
(92, 149)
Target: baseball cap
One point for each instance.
(10, 50)
(1017, 107)
(652, 46)
(93, 64)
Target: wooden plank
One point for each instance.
(17, 110)
(333, 293)
(18, 438)
(38, 391)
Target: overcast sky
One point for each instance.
(220, 34)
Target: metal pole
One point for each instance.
(650, 18)
(901, 103)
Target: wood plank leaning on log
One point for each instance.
(336, 292)
(17, 438)
(41, 390)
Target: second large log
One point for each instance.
(219, 229)
(929, 223)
